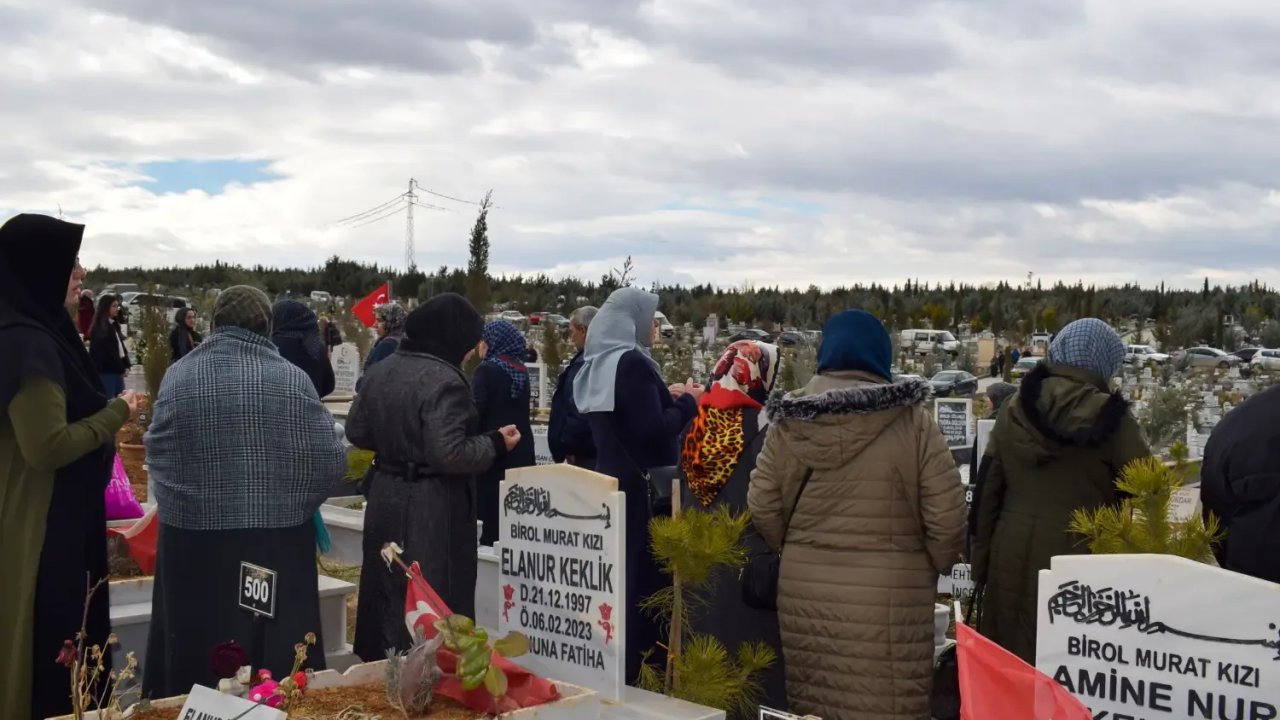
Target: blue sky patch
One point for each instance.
(210, 176)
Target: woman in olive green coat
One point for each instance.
(56, 432)
(1057, 446)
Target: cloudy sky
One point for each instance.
(724, 141)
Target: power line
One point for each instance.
(384, 216)
(370, 211)
(448, 197)
(429, 206)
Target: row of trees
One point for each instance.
(1180, 317)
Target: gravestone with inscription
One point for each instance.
(1158, 636)
(539, 397)
(561, 576)
(346, 368)
(954, 417)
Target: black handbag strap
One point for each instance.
(808, 473)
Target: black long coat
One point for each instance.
(640, 434)
(416, 408)
(724, 616)
(491, 388)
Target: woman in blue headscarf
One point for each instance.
(856, 480)
(501, 391)
(636, 421)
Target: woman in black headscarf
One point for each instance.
(56, 431)
(416, 413)
(296, 332)
(184, 337)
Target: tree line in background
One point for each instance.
(1182, 317)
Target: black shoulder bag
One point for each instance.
(658, 481)
(759, 574)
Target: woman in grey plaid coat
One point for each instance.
(241, 453)
(416, 412)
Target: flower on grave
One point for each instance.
(226, 659)
(605, 623)
(68, 655)
(390, 552)
(310, 638)
(267, 691)
(300, 679)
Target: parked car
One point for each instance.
(1024, 365)
(1246, 354)
(954, 383)
(514, 316)
(1206, 357)
(1141, 355)
(1266, 360)
(536, 318)
(559, 321)
(924, 342)
(665, 328)
(120, 289)
(751, 334)
(320, 296)
(791, 338)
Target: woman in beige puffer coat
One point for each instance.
(881, 515)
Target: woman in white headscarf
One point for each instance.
(636, 421)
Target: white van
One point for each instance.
(320, 296)
(665, 328)
(925, 342)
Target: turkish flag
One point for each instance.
(995, 683)
(364, 308)
(422, 607)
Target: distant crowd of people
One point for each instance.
(848, 477)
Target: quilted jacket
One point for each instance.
(881, 516)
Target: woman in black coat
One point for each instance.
(416, 413)
(718, 453)
(501, 390)
(184, 337)
(106, 346)
(295, 331)
(636, 421)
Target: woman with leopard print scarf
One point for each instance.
(719, 449)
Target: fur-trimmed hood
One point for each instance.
(837, 414)
(1059, 407)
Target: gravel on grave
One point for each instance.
(369, 700)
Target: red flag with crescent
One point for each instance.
(364, 308)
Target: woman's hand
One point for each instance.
(694, 389)
(511, 436)
(677, 391)
(133, 400)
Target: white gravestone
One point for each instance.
(346, 368)
(959, 583)
(561, 579)
(1158, 636)
(541, 445)
(955, 418)
(539, 397)
(711, 330)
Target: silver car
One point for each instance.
(1207, 357)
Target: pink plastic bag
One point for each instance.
(121, 504)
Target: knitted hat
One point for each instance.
(244, 307)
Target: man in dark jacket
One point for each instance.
(1240, 483)
(569, 434)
